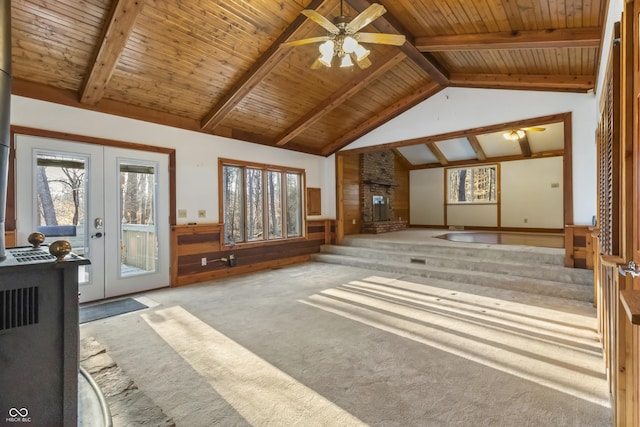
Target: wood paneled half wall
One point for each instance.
(200, 253)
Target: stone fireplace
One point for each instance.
(377, 170)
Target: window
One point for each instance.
(472, 184)
(260, 202)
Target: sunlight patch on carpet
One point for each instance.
(550, 348)
(258, 391)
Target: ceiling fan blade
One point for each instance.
(316, 64)
(365, 18)
(321, 20)
(535, 129)
(381, 38)
(363, 63)
(306, 41)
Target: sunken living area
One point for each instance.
(377, 173)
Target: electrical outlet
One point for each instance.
(526, 220)
(202, 213)
(182, 213)
(203, 261)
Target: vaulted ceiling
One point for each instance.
(218, 67)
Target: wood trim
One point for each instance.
(631, 303)
(474, 162)
(567, 170)
(553, 118)
(171, 152)
(113, 41)
(533, 39)
(191, 243)
(579, 248)
(549, 83)
(339, 198)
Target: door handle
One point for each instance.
(632, 269)
(97, 235)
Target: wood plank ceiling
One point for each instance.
(218, 67)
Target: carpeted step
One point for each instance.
(503, 281)
(521, 254)
(469, 261)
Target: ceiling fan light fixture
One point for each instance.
(361, 52)
(326, 48)
(514, 135)
(346, 61)
(349, 45)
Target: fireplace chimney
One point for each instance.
(5, 104)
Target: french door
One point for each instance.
(111, 204)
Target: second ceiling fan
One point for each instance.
(342, 42)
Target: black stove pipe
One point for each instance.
(5, 118)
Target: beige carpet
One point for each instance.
(326, 345)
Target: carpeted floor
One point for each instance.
(326, 345)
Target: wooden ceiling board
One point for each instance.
(42, 53)
(564, 61)
(217, 65)
(392, 85)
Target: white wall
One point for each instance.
(526, 191)
(455, 109)
(426, 195)
(196, 153)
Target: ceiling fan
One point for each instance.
(342, 42)
(517, 134)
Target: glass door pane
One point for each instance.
(138, 234)
(61, 202)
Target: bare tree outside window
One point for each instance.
(294, 205)
(232, 178)
(60, 188)
(472, 185)
(261, 203)
(274, 191)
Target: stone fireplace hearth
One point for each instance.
(376, 191)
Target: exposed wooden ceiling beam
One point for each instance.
(381, 66)
(114, 39)
(472, 162)
(540, 39)
(387, 23)
(558, 83)
(393, 110)
(564, 118)
(442, 159)
(47, 93)
(477, 148)
(262, 66)
(525, 147)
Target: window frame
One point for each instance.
(447, 183)
(265, 168)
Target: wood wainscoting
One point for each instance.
(579, 244)
(193, 243)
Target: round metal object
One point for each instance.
(36, 239)
(60, 249)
